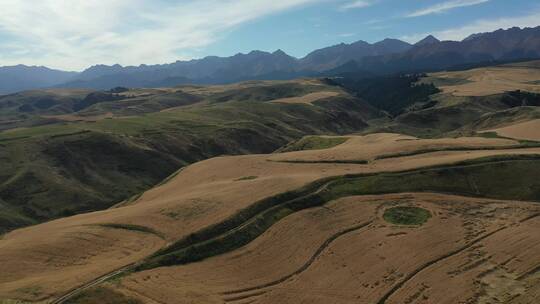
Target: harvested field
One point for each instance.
(81, 252)
(348, 253)
(379, 146)
(307, 99)
(489, 80)
(212, 191)
(528, 130)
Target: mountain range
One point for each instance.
(385, 57)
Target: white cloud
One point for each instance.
(445, 6)
(379, 27)
(76, 33)
(355, 4)
(480, 26)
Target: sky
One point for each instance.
(75, 34)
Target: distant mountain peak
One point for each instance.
(383, 57)
(359, 42)
(279, 52)
(257, 52)
(396, 44)
(512, 31)
(388, 40)
(430, 39)
(473, 36)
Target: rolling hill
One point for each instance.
(91, 159)
(364, 190)
(88, 146)
(262, 227)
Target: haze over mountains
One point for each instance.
(21, 77)
(388, 172)
(385, 57)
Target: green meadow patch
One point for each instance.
(408, 216)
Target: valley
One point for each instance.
(270, 152)
(176, 211)
(259, 191)
(89, 164)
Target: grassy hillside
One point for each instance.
(77, 150)
(446, 114)
(71, 167)
(312, 143)
(393, 94)
(450, 103)
(516, 179)
(369, 215)
(53, 106)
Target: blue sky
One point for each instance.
(75, 34)
(299, 31)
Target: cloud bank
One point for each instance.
(74, 34)
(355, 5)
(480, 26)
(445, 6)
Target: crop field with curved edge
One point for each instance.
(489, 80)
(527, 130)
(349, 253)
(372, 171)
(54, 168)
(261, 228)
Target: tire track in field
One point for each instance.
(450, 254)
(303, 268)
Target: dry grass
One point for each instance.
(207, 90)
(490, 80)
(74, 117)
(375, 146)
(360, 265)
(308, 98)
(528, 130)
(57, 256)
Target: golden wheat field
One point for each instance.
(489, 80)
(343, 251)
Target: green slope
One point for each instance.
(67, 168)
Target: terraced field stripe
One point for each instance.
(251, 222)
(306, 265)
(458, 149)
(450, 254)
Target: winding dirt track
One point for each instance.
(411, 275)
(91, 284)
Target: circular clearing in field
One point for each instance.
(409, 216)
